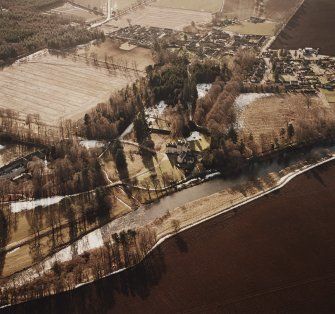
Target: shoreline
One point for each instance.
(167, 233)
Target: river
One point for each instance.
(275, 255)
(219, 184)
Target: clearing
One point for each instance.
(56, 87)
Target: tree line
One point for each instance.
(124, 249)
(109, 120)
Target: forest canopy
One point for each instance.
(25, 29)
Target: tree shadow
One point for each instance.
(99, 296)
(181, 243)
(317, 176)
(4, 238)
(147, 158)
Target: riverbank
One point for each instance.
(180, 218)
(276, 255)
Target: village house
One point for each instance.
(178, 148)
(186, 160)
(171, 148)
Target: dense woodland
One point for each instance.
(109, 120)
(25, 29)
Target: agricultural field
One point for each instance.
(196, 5)
(275, 10)
(281, 11)
(241, 9)
(57, 87)
(315, 18)
(265, 117)
(70, 11)
(249, 28)
(154, 16)
(113, 49)
(101, 5)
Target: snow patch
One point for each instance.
(91, 144)
(213, 175)
(203, 90)
(12, 251)
(93, 240)
(245, 100)
(155, 112)
(195, 136)
(20, 206)
(32, 56)
(2, 146)
(128, 130)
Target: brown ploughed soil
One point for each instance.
(276, 10)
(275, 255)
(311, 26)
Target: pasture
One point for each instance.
(249, 28)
